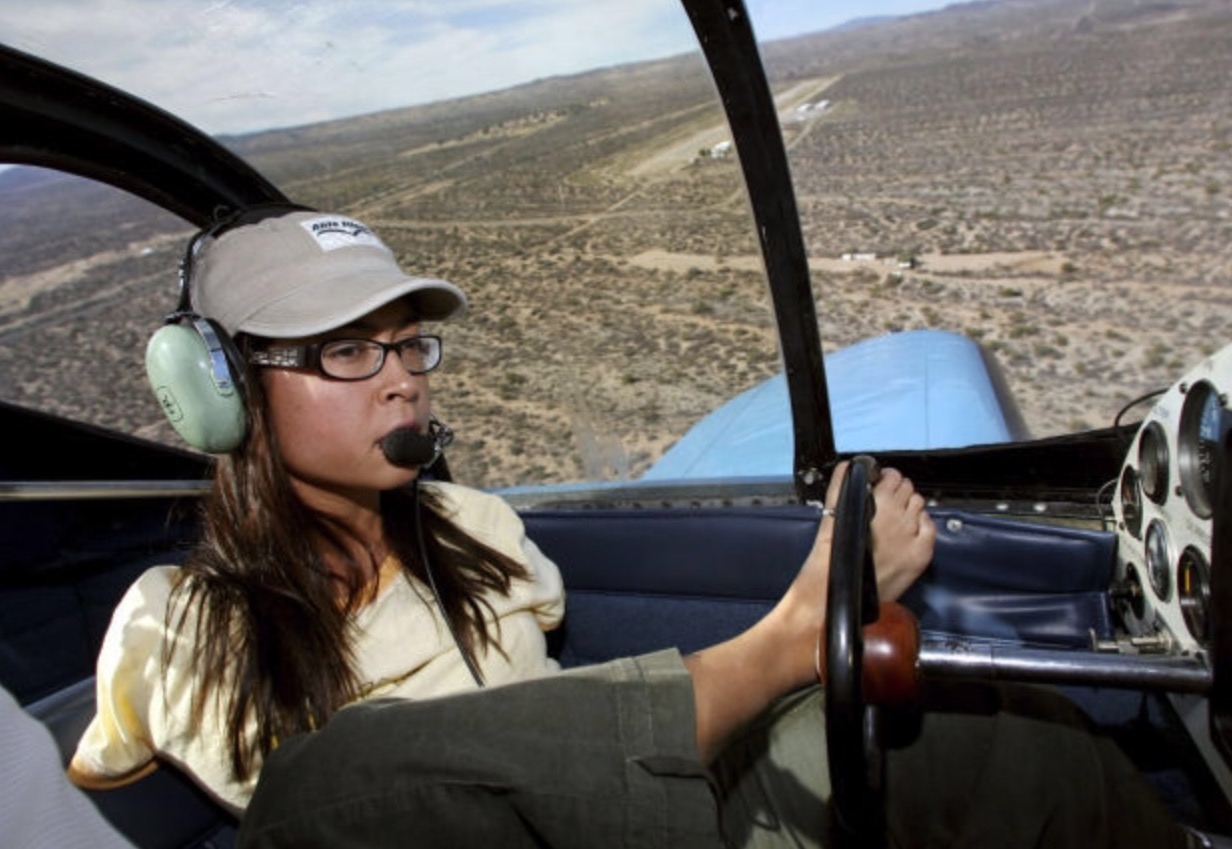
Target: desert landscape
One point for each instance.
(1052, 179)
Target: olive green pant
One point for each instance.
(605, 756)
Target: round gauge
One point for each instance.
(1193, 590)
(1153, 462)
(1131, 502)
(1158, 563)
(1131, 594)
(1198, 446)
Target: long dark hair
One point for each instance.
(272, 640)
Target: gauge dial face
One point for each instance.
(1153, 462)
(1198, 446)
(1131, 502)
(1158, 562)
(1193, 591)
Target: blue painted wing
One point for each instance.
(912, 390)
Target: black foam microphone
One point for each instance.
(410, 449)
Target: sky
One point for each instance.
(235, 66)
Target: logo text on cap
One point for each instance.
(332, 232)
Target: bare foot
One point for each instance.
(903, 534)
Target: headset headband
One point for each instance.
(223, 223)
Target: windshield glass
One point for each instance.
(1044, 187)
(1049, 180)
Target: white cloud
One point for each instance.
(239, 65)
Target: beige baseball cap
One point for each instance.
(304, 273)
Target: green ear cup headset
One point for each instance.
(193, 365)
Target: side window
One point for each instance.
(596, 219)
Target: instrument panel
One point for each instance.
(1164, 503)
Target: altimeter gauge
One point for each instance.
(1202, 424)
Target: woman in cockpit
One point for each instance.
(338, 593)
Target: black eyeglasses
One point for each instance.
(353, 359)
